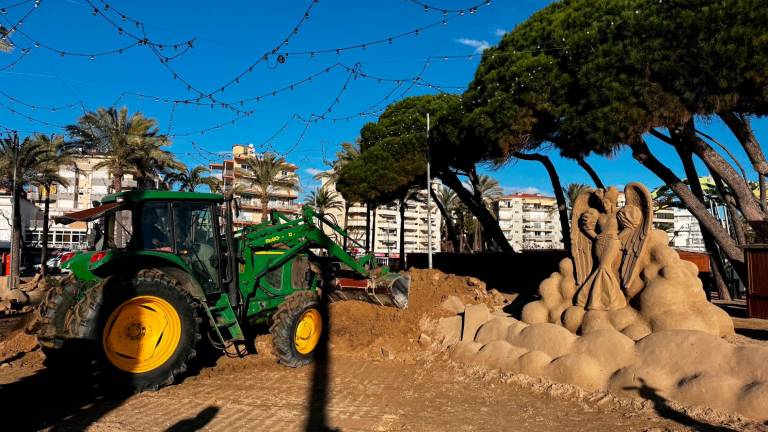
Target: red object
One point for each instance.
(7, 262)
(757, 286)
(98, 256)
(352, 283)
(66, 256)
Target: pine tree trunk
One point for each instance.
(748, 204)
(741, 128)
(44, 239)
(718, 269)
(592, 174)
(479, 210)
(642, 154)
(562, 206)
(449, 226)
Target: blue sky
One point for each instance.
(232, 35)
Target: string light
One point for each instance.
(143, 39)
(42, 108)
(10, 65)
(444, 11)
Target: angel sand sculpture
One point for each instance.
(623, 275)
(624, 315)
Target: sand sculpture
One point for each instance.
(624, 315)
(623, 275)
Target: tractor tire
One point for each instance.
(297, 329)
(50, 323)
(144, 330)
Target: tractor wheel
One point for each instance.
(297, 328)
(50, 321)
(147, 330)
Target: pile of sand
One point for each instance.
(365, 329)
(687, 366)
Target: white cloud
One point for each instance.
(521, 189)
(499, 32)
(313, 171)
(478, 45)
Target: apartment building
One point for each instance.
(530, 221)
(85, 184)
(386, 220)
(29, 212)
(233, 174)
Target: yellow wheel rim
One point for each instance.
(141, 334)
(308, 331)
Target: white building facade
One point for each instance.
(530, 221)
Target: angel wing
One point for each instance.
(581, 245)
(636, 219)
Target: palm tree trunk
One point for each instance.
(402, 233)
(117, 186)
(16, 238)
(44, 239)
(588, 168)
(264, 207)
(449, 226)
(481, 212)
(562, 207)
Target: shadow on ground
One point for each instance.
(662, 408)
(197, 422)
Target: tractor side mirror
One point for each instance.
(95, 203)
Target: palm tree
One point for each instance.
(20, 165)
(572, 191)
(131, 144)
(447, 202)
(349, 152)
(323, 199)
(265, 173)
(189, 180)
(47, 177)
(486, 189)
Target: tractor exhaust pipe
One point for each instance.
(389, 289)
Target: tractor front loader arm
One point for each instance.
(367, 283)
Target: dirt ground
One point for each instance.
(377, 374)
(350, 394)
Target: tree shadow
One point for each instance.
(59, 399)
(662, 408)
(317, 420)
(197, 422)
(759, 334)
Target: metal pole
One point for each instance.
(429, 203)
(14, 249)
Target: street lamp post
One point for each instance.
(429, 203)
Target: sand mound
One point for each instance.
(687, 366)
(668, 295)
(364, 328)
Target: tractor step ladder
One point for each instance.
(224, 318)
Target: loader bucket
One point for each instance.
(388, 289)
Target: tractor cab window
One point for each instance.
(117, 231)
(196, 240)
(155, 227)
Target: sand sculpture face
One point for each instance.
(622, 275)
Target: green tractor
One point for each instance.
(168, 272)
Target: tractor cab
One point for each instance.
(161, 228)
